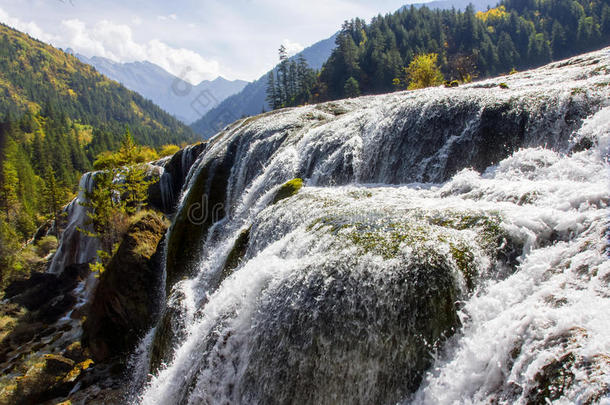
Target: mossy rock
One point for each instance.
(203, 205)
(313, 338)
(44, 380)
(128, 297)
(170, 329)
(236, 254)
(288, 189)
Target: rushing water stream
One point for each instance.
(449, 247)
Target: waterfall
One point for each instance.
(449, 246)
(76, 247)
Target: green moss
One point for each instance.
(503, 85)
(360, 194)
(332, 108)
(203, 205)
(464, 259)
(577, 90)
(386, 241)
(288, 189)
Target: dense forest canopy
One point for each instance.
(516, 34)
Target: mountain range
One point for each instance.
(183, 100)
(252, 99)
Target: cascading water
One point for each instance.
(450, 246)
(76, 247)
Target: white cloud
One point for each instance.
(29, 27)
(173, 17)
(116, 42)
(242, 35)
(292, 47)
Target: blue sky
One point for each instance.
(196, 40)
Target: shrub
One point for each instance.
(424, 72)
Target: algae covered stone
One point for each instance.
(288, 189)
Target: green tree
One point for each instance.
(605, 21)
(121, 190)
(9, 250)
(424, 72)
(351, 88)
(272, 91)
(129, 151)
(10, 182)
(134, 188)
(283, 76)
(52, 195)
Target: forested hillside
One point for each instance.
(34, 75)
(56, 115)
(516, 34)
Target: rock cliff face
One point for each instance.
(127, 301)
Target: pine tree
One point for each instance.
(52, 195)
(128, 152)
(8, 193)
(283, 76)
(558, 41)
(106, 213)
(272, 96)
(605, 21)
(351, 88)
(134, 188)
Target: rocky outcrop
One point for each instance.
(127, 302)
(165, 193)
(40, 358)
(203, 206)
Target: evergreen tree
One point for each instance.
(283, 76)
(134, 188)
(605, 21)
(508, 55)
(10, 182)
(54, 195)
(106, 212)
(559, 43)
(272, 91)
(352, 88)
(294, 83)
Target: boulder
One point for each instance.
(127, 299)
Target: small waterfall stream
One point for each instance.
(449, 247)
